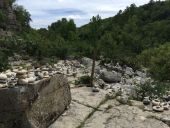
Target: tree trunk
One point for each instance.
(93, 68)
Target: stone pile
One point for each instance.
(115, 78)
(157, 105)
(3, 80)
(112, 78)
(20, 75)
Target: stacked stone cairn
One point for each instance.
(3, 80)
(21, 74)
(157, 105)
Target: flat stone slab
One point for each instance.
(115, 115)
(84, 95)
(73, 117)
(83, 102)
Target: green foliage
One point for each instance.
(158, 62)
(23, 17)
(153, 90)
(3, 61)
(95, 34)
(85, 80)
(133, 30)
(2, 16)
(134, 36)
(63, 28)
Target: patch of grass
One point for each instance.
(84, 80)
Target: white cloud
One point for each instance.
(74, 17)
(44, 12)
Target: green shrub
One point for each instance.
(2, 16)
(3, 61)
(151, 89)
(157, 60)
(85, 80)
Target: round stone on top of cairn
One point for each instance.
(46, 75)
(22, 77)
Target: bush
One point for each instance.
(3, 61)
(3, 17)
(158, 62)
(85, 80)
(153, 90)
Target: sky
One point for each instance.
(45, 12)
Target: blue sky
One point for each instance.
(44, 12)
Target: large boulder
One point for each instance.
(110, 77)
(129, 71)
(140, 74)
(86, 61)
(123, 99)
(36, 105)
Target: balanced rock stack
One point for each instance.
(12, 82)
(3, 80)
(31, 77)
(156, 104)
(22, 77)
(45, 72)
(46, 75)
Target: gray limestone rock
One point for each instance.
(110, 77)
(36, 105)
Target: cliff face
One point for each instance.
(8, 20)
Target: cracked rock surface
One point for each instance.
(123, 116)
(93, 110)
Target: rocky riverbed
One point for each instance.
(107, 104)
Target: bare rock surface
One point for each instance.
(115, 115)
(73, 117)
(84, 102)
(85, 96)
(94, 110)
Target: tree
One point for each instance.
(95, 23)
(64, 28)
(22, 16)
(3, 61)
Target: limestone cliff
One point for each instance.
(8, 20)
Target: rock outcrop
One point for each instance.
(110, 77)
(86, 61)
(9, 22)
(36, 105)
